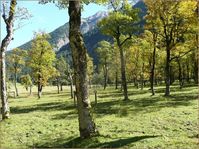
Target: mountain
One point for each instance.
(60, 40)
(60, 36)
(93, 36)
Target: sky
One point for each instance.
(44, 17)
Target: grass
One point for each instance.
(143, 122)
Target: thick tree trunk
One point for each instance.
(4, 99)
(123, 71)
(87, 126)
(9, 21)
(167, 72)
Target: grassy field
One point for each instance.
(143, 122)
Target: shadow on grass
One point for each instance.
(51, 106)
(93, 142)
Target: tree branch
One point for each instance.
(180, 56)
(128, 38)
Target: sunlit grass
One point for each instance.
(143, 122)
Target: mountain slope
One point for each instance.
(60, 36)
(94, 36)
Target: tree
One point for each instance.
(120, 24)
(151, 36)
(16, 62)
(61, 67)
(104, 52)
(174, 19)
(41, 59)
(86, 124)
(26, 81)
(9, 21)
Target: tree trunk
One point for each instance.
(116, 80)
(71, 87)
(153, 66)
(188, 73)
(179, 73)
(16, 89)
(142, 77)
(9, 21)
(30, 91)
(4, 99)
(167, 72)
(61, 87)
(58, 90)
(87, 125)
(105, 68)
(123, 71)
(39, 87)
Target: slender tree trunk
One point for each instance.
(188, 72)
(71, 87)
(87, 125)
(16, 89)
(153, 66)
(39, 87)
(9, 21)
(30, 91)
(105, 75)
(179, 73)
(123, 71)
(167, 72)
(61, 87)
(142, 77)
(116, 80)
(58, 90)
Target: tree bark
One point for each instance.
(4, 99)
(39, 87)
(30, 91)
(61, 87)
(123, 71)
(16, 89)
(179, 73)
(58, 90)
(116, 80)
(105, 68)
(142, 77)
(87, 125)
(9, 21)
(167, 72)
(153, 65)
(71, 87)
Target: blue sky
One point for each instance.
(46, 18)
